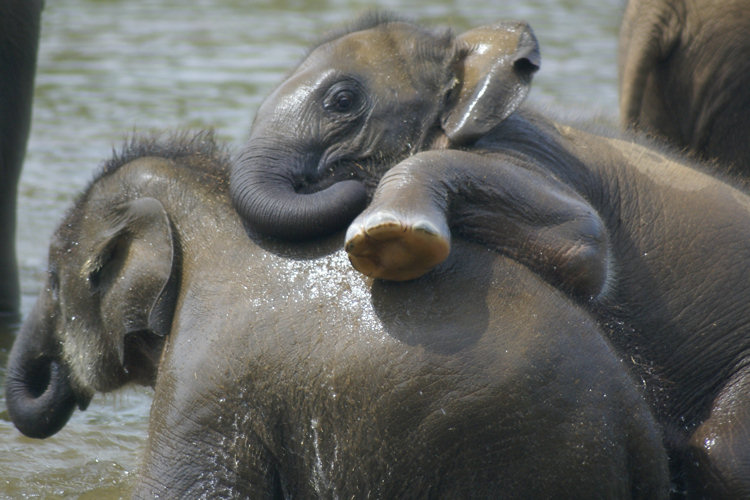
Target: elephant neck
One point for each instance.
(551, 147)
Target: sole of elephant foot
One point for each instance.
(388, 248)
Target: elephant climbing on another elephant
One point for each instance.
(19, 39)
(684, 76)
(655, 249)
(280, 371)
(364, 99)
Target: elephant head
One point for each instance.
(362, 101)
(101, 316)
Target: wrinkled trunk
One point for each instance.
(264, 188)
(39, 396)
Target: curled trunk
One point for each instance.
(266, 190)
(39, 396)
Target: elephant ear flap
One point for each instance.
(133, 268)
(494, 72)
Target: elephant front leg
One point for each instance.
(406, 230)
(403, 233)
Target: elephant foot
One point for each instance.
(387, 246)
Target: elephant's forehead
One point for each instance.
(378, 53)
(372, 49)
(379, 60)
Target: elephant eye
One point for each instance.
(341, 98)
(343, 101)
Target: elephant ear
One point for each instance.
(132, 268)
(494, 72)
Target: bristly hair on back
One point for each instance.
(195, 150)
(196, 145)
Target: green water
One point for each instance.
(109, 67)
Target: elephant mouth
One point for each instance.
(141, 358)
(327, 175)
(45, 374)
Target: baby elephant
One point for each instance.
(656, 250)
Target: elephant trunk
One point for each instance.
(265, 191)
(39, 395)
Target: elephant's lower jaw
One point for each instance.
(326, 176)
(40, 398)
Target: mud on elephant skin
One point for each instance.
(19, 39)
(655, 249)
(281, 371)
(684, 76)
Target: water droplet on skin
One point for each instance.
(708, 443)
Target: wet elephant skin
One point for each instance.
(653, 247)
(280, 371)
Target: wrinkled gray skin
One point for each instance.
(664, 269)
(658, 251)
(19, 38)
(362, 101)
(279, 371)
(685, 76)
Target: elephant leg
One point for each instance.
(516, 210)
(720, 447)
(19, 38)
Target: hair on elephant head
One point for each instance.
(363, 100)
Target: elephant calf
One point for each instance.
(684, 70)
(431, 122)
(279, 371)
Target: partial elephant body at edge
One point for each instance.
(19, 38)
(684, 77)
